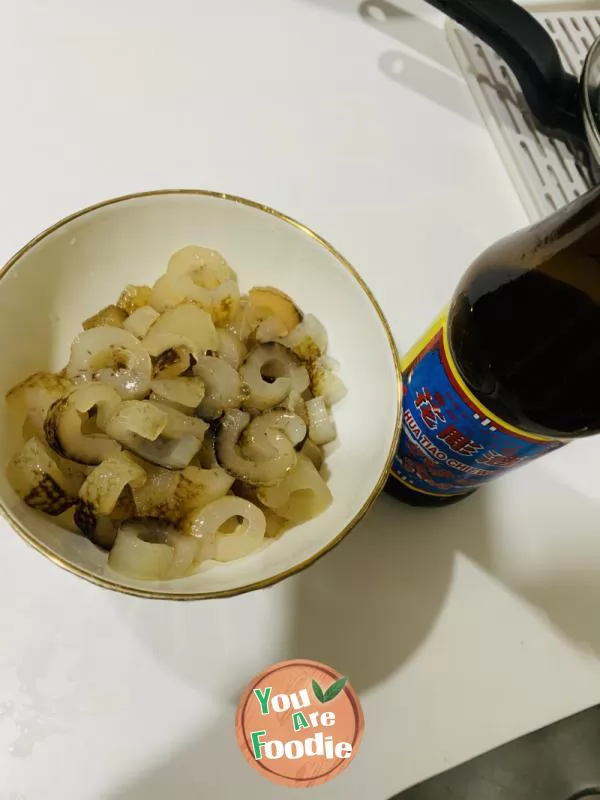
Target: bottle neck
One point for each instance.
(568, 225)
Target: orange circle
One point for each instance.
(289, 733)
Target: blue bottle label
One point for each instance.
(450, 443)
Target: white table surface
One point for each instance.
(461, 628)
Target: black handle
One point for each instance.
(551, 93)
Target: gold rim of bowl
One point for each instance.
(164, 595)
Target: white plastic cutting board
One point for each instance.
(545, 171)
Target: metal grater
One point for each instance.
(546, 172)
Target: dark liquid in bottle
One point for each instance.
(524, 329)
(528, 347)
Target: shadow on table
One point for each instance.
(367, 607)
(561, 576)
(402, 21)
(210, 766)
(424, 63)
(363, 608)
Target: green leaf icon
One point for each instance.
(334, 690)
(318, 692)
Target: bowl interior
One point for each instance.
(83, 263)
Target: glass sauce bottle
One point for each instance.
(511, 370)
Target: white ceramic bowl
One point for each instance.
(82, 263)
